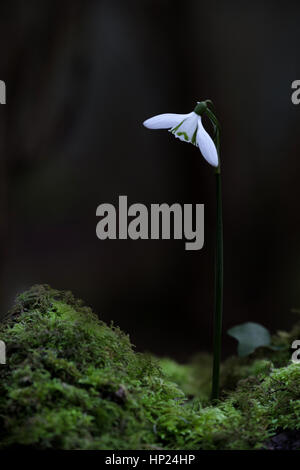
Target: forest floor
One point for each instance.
(73, 382)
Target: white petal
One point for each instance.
(187, 128)
(164, 121)
(206, 145)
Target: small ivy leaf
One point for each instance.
(250, 336)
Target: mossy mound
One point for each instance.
(72, 382)
(194, 378)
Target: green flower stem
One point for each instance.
(218, 282)
(203, 107)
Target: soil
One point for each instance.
(285, 440)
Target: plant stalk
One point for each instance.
(218, 307)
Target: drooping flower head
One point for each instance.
(189, 128)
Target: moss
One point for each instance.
(73, 382)
(193, 378)
(262, 361)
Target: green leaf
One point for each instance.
(250, 336)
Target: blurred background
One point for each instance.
(81, 78)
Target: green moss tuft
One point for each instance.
(193, 378)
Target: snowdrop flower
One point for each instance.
(188, 128)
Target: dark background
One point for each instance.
(81, 77)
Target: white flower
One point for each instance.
(188, 128)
